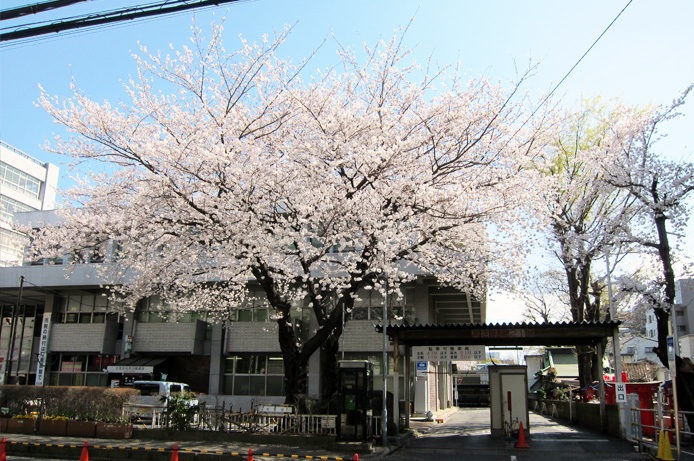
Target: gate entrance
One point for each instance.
(500, 335)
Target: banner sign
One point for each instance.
(43, 348)
(448, 353)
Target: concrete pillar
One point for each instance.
(217, 347)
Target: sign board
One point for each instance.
(41, 364)
(671, 355)
(448, 353)
(621, 392)
(422, 368)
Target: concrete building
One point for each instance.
(73, 335)
(636, 349)
(26, 184)
(684, 301)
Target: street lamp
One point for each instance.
(384, 412)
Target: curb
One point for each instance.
(148, 453)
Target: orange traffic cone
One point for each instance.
(174, 453)
(85, 452)
(356, 457)
(250, 455)
(3, 450)
(521, 438)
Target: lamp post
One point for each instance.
(13, 329)
(384, 412)
(613, 315)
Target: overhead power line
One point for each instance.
(580, 59)
(167, 7)
(35, 8)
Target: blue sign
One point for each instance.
(421, 367)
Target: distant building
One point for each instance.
(26, 184)
(636, 349)
(684, 308)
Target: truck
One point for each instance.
(472, 386)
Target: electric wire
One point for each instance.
(578, 62)
(112, 16)
(30, 41)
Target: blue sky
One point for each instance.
(647, 56)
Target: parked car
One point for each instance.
(153, 399)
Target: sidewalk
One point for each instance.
(159, 450)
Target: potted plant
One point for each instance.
(21, 424)
(121, 429)
(53, 425)
(81, 428)
(4, 418)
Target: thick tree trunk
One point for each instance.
(585, 356)
(578, 282)
(329, 353)
(661, 312)
(295, 366)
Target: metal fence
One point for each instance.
(649, 426)
(218, 419)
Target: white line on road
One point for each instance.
(536, 439)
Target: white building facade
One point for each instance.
(26, 184)
(87, 342)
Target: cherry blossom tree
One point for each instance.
(231, 168)
(662, 189)
(545, 298)
(583, 214)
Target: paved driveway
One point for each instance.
(465, 434)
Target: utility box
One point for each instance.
(354, 408)
(508, 396)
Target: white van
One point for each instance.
(159, 389)
(154, 395)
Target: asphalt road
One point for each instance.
(466, 434)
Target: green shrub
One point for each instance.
(181, 410)
(79, 403)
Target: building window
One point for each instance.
(80, 369)
(254, 375)
(682, 328)
(369, 305)
(376, 358)
(25, 322)
(8, 207)
(254, 308)
(11, 248)
(20, 181)
(91, 308)
(154, 310)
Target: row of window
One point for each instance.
(80, 369)
(86, 308)
(368, 306)
(19, 180)
(9, 206)
(11, 248)
(263, 374)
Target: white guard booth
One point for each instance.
(508, 399)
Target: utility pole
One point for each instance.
(13, 329)
(384, 412)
